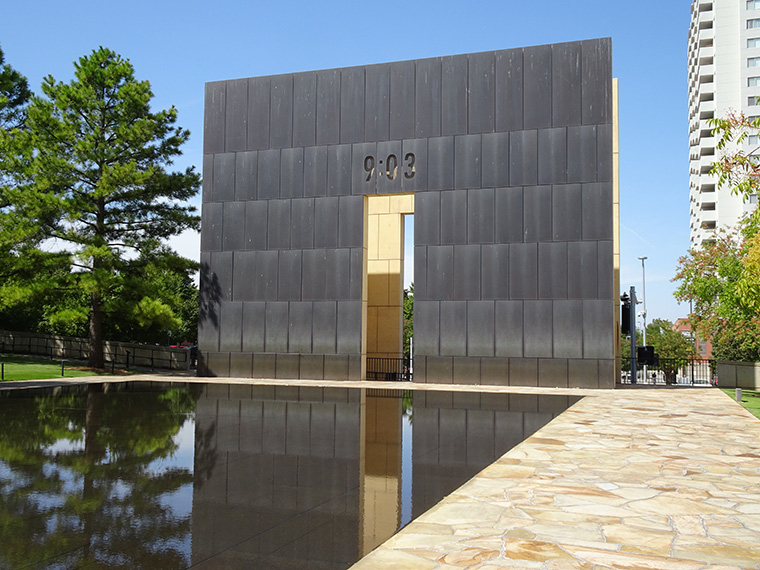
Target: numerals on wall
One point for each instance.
(389, 166)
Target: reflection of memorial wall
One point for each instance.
(289, 477)
(457, 433)
(277, 477)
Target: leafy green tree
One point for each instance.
(714, 279)
(14, 95)
(748, 286)
(722, 277)
(160, 306)
(408, 318)
(668, 342)
(673, 348)
(91, 177)
(156, 306)
(736, 167)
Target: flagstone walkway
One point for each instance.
(631, 479)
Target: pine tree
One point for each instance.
(92, 197)
(14, 95)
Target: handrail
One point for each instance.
(670, 371)
(389, 369)
(115, 353)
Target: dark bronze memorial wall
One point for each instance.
(509, 157)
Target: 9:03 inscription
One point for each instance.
(389, 166)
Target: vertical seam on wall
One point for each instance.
(247, 106)
(340, 103)
(292, 110)
(224, 119)
(466, 109)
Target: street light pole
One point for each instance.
(644, 297)
(644, 300)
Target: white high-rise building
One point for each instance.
(724, 75)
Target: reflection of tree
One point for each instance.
(83, 479)
(407, 404)
(205, 454)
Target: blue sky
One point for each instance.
(179, 46)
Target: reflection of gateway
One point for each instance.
(316, 478)
(505, 159)
(141, 475)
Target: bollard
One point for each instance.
(61, 367)
(739, 395)
(2, 371)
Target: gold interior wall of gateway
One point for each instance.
(380, 464)
(382, 305)
(616, 223)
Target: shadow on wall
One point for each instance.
(209, 299)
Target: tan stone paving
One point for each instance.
(631, 479)
(625, 479)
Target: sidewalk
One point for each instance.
(659, 479)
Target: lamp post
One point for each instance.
(644, 296)
(644, 312)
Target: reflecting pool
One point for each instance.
(146, 475)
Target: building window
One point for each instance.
(753, 42)
(753, 62)
(753, 81)
(753, 23)
(753, 139)
(753, 4)
(753, 100)
(753, 198)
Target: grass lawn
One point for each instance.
(750, 399)
(24, 368)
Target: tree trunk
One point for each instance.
(93, 452)
(96, 332)
(96, 300)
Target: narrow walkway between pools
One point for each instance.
(632, 479)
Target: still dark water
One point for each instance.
(141, 475)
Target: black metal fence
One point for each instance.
(670, 372)
(389, 369)
(115, 353)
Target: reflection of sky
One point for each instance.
(185, 439)
(178, 504)
(65, 446)
(182, 458)
(406, 469)
(6, 473)
(66, 483)
(181, 501)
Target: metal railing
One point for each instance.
(389, 369)
(670, 372)
(114, 353)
